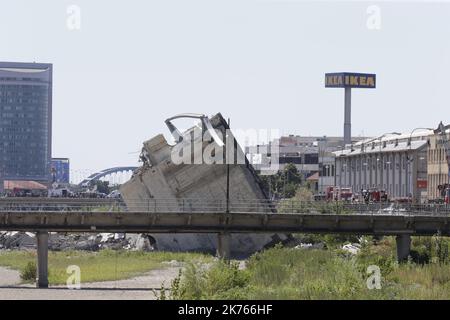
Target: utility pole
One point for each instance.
(228, 168)
(224, 237)
(409, 167)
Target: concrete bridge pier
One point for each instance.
(403, 247)
(223, 245)
(42, 256)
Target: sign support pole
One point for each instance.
(349, 80)
(348, 116)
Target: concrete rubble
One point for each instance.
(14, 239)
(89, 242)
(352, 248)
(318, 245)
(160, 178)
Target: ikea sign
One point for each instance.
(350, 80)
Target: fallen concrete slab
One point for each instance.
(162, 177)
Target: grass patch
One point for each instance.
(104, 265)
(286, 273)
(277, 273)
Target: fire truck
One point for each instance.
(444, 192)
(339, 193)
(374, 195)
(444, 189)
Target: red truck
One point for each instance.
(444, 190)
(374, 195)
(339, 193)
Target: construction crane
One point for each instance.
(444, 189)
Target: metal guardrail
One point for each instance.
(217, 206)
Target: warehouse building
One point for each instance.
(395, 163)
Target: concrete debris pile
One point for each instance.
(161, 178)
(352, 248)
(318, 246)
(17, 240)
(88, 242)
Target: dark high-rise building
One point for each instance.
(25, 121)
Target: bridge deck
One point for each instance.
(204, 222)
(43, 215)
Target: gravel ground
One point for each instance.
(9, 277)
(138, 288)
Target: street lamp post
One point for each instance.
(320, 170)
(344, 166)
(341, 167)
(365, 174)
(380, 167)
(321, 149)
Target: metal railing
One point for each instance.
(220, 206)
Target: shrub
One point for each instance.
(189, 284)
(420, 255)
(220, 281)
(29, 272)
(381, 255)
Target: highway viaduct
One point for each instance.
(42, 222)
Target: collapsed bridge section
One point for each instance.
(164, 176)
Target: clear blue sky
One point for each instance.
(260, 62)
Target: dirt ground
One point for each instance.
(138, 288)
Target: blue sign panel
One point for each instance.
(60, 170)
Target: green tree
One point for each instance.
(284, 183)
(304, 194)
